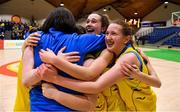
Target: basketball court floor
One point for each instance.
(168, 96)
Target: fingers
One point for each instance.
(32, 39)
(71, 53)
(62, 49)
(41, 52)
(47, 85)
(42, 69)
(71, 58)
(49, 50)
(41, 55)
(34, 35)
(44, 51)
(135, 66)
(51, 67)
(128, 69)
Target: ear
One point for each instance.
(103, 29)
(127, 39)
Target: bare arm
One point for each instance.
(28, 77)
(151, 78)
(79, 72)
(76, 102)
(88, 62)
(91, 87)
(31, 40)
(105, 80)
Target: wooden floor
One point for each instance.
(168, 96)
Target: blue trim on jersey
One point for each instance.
(137, 55)
(139, 59)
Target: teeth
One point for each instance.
(90, 30)
(110, 43)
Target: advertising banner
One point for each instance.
(13, 44)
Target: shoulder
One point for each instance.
(130, 58)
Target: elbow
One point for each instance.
(25, 83)
(158, 84)
(90, 76)
(96, 89)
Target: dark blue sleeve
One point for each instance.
(91, 42)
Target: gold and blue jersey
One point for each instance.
(128, 94)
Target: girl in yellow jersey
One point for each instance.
(134, 86)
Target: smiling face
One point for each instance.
(115, 38)
(93, 24)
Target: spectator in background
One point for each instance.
(2, 29)
(11, 30)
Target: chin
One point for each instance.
(110, 49)
(90, 32)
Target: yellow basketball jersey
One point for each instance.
(137, 95)
(110, 100)
(22, 97)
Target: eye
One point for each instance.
(113, 33)
(94, 21)
(87, 21)
(107, 33)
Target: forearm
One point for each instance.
(30, 78)
(85, 73)
(28, 73)
(75, 102)
(80, 72)
(91, 87)
(151, 80)
(151, 69)
(77, 85)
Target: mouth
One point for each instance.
(109, 43)
(89, 29)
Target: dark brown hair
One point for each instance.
(61, 19)
(104, 21)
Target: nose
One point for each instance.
(108, 36)
(88, 24)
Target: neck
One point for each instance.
(120, 50)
